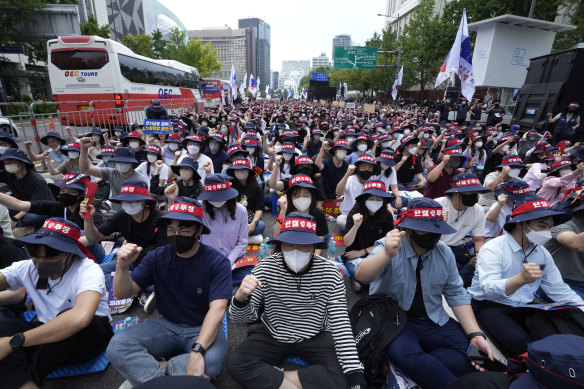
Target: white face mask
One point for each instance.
(186, 174)
(514, 173)
(287, 156)
(412, 150)
(362, 147)
(538, 237)
(302, 203)
(385, 145)
(335, 133)
(478, 144)
(134, 145)
(241, 174)
(173, 146)
(96, 138)
(399, 136)
(11, 168)
(340, 154)
(3, 149)
(278, 148)
(73, 154)
(214, 148)
(296, 259)
(152, 158)
(407, 132)
(426, 135)
(565, 172)
(505, 148)
(350, 139)
(123, 167)
(193, 150)
(118, 133)
(250, 150)
(384, 166)
(132, 208)
(373, 205)
(316, 138)
(217, 204)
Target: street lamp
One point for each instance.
(389, 16)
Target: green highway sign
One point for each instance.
(355, 57)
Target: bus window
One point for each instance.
(79, 59)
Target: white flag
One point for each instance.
(233, 81)
(345, 90)
(397, 82)
(258, 90)
(242, 86)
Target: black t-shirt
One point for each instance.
(313, 148)
(476, 113)
(331, 175)
(493, 160)
(492, 118)
(31, 187)
(56, 209)
(373, 227)
(409, 169)
(147, 234)
(253, 194)
(192, 191)
(11, 254)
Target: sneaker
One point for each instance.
(148, 301)
(357, 286)
(126, 385)
(398, 380)
(256, 239)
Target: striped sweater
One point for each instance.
(298, 307)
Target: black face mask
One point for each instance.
(48, 269)
(182, 244)
(68, 199)
(469, 200)
(364, 174)
(307, 172)
(427, 241)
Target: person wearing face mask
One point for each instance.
(19, 174)
(171, 146)
(193, 145)
(251, 196)
(409, 166)
(282, 168)
(368, 221)
(539, 169)
(444, 109)
(351, 185)
(476, 153)
(216, 151)
(527, 142)
(187, 184)
(495, 113)
(314, 143)
(72, 151)
(414, 267)
(100, 139)
(156, 110)
(465, 216)
(188, 334)
(134, 141)
(567, 123)
(360, 146)
(508, 194)
(124, 165)
(53, 140)
(440, 177)
(295, 277)
(7, 142)
(149, 167)
(388, 176)
(334, 168)
(302, 165)
(226, 220)
(560, 178)
(256, 158)
(69, 294)
(303, 196)
(510, 271)
(509, 168)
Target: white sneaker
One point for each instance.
(256, 239)
(148, 301)
(126, 385)
(403, 380)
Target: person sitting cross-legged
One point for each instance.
(302, 296)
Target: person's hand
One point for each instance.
(28, 144)
(68, 129)
(283, 203)
(580, 167)
(279, 160)
(530, 272)
(46, 155)
(502, 198)
(398, 202)
(171, 192)
(83, 209)
(550, 115)
(325, 146)
(207, 166)
(86, 142)
(351, 169)
(196, 365)
(505, 171)
(251, 228)
(5, 348)
(357, 219)
(445, 215)
(248, 285)
(105, 136)
(13, 224)
(177, 154)
(473, 261)
(354, 254)
(306, 138)
(127, 254)
(393, 242)
(158, 166)
(445, 159)
(482, 344)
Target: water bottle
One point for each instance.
(332, 250)
(268, 247)
(130, 321)
(262, 252)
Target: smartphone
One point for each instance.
(481, 358)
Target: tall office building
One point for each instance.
(233, 48)
(275, 79)
(321, 60)
(340, 40)
(260, 48)
(292, 72)
(399, 12)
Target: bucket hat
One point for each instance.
(426, 215)
(124, 155)
(18, 155)
(218, 188)
(59, 234)
(73, 181)
(187, 162)
(387, 157)
(512, 160)
(50, 134)
(188, 209)
(133, 190)
(375, 188)
(535, 208)
(74, 146)
(515, 189)
(298, 228)
(466, 182)
(106, 151)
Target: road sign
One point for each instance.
(355, 57)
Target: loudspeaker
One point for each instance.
(322, 92)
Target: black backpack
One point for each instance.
(376, 320)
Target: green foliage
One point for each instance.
(193, 52)
(158, 44)
(139, 44)
(92, 28)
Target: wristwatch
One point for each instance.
(197, 348)
(16, 341)
(475, 334)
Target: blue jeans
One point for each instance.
(577, 287)
(431, 355)
(108, 268)
(260, 227)
(97, 251)
(465, 269)
(32, 219)
(134, 351)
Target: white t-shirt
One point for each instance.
(285, 173)
(388, 181)
(492, 230)
(201, 160)
(472, 219)
(82, 276)
(142, 169)
(353, 189)
(488, 199)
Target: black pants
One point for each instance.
(252, 364)
(506, 325)
(35, 363)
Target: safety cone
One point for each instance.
(51, 127)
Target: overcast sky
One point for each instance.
(300, 29)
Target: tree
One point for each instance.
(92, 28)
(139, 44)
(158, 44)
(193, 52)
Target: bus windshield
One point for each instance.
(79, 59)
